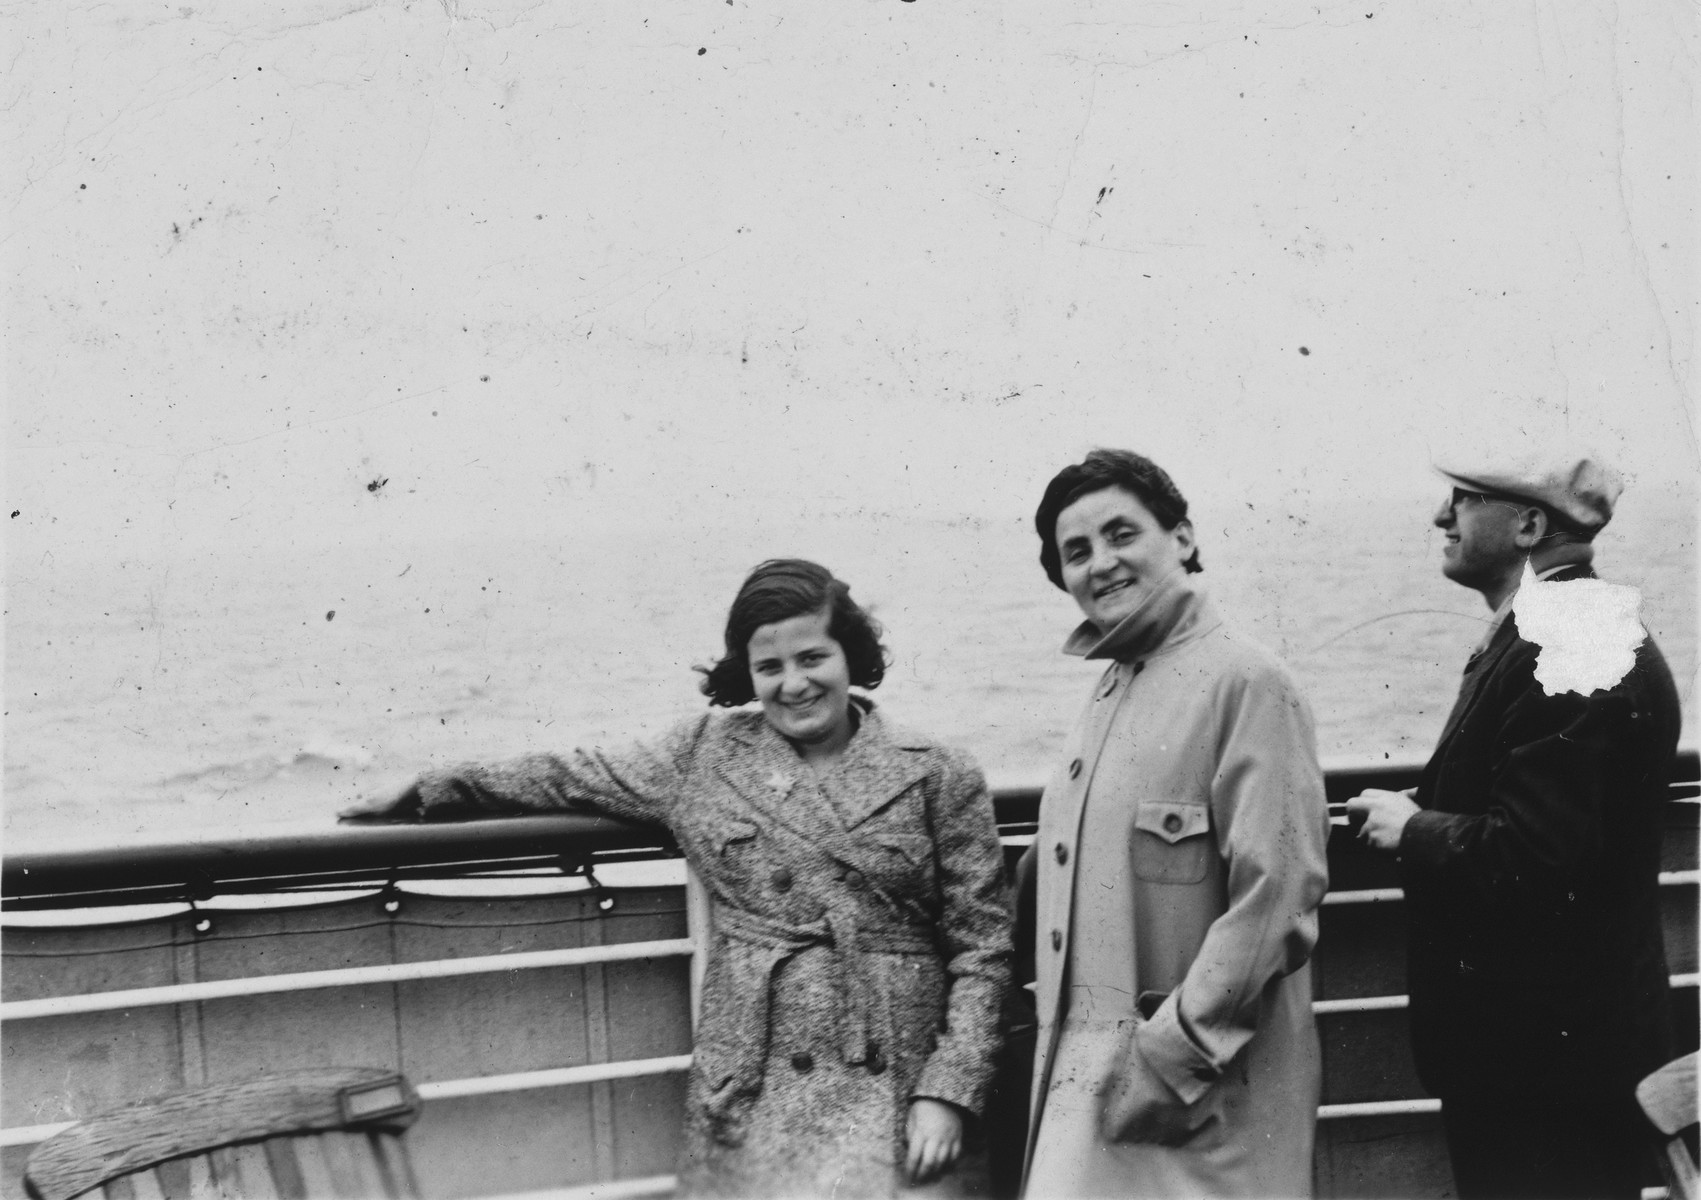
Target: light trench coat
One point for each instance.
(1180, 863)
(862, 935)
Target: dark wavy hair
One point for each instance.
(777, 590)
(1103, 469)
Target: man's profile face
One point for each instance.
(1480, 547)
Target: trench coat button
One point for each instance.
(854, 880)
(1172, 823)
(1057, 939)
(876, 1061)
(781, 879)
(1062, 853)
(803, 1061)
(1075, 768)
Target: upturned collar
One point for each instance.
(1177, 610)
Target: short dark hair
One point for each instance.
(778, 590)
(1102, 469)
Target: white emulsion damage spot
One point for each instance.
(1588, 631)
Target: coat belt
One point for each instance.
(851, 942)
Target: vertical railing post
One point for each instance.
(700, 928)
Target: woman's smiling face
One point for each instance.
(1113, 552)
(801, 677)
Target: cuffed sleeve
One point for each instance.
(1141, 1102)
(1167, 1052)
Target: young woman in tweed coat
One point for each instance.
(861, 928)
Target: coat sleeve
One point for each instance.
(1272, 828)
(1551, 791)
(639, 783)
(974, 938)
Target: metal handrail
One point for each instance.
(352, 855)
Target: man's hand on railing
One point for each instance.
(1384, 814)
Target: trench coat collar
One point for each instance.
(1177, 611)
(879, 763)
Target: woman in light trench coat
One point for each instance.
(1179, 864)
(861, 947)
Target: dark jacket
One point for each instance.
(1536, 966)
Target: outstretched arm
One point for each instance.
(638, 784)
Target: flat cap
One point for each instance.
(1575, 484)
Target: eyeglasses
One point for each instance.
(1555, 521)
(1462, 494)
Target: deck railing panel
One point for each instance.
(57, 1069)
(348, 1025)
(1364, 950)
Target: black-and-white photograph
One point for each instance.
(1059, 600)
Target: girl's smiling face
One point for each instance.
(801, 677)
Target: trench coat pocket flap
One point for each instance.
(732, 832)
(1173, 822)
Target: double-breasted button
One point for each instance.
(781, 879)
(1172, 823)
(1057, 939)
(1062, 853)
(854, 880)
(1074, 768)
(876, 1061)
(803, 1061)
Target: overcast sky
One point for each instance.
(345, 271)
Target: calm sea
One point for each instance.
(218, 692)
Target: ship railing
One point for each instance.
(591, 854)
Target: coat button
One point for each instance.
(1074, 768)
(876, 1060)
(1172, 823)
(1062, 853)
(1057, 939)
(854, 880)
(803, 1061)
(781, 879)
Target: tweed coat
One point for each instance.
(1535, 960)
(1180, 866)
(861, 935)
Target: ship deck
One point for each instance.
(534, 977)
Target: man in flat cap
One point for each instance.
(1529, 851)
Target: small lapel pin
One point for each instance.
(781, 784)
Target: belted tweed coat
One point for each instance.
(1180, 866)
(862, 935)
